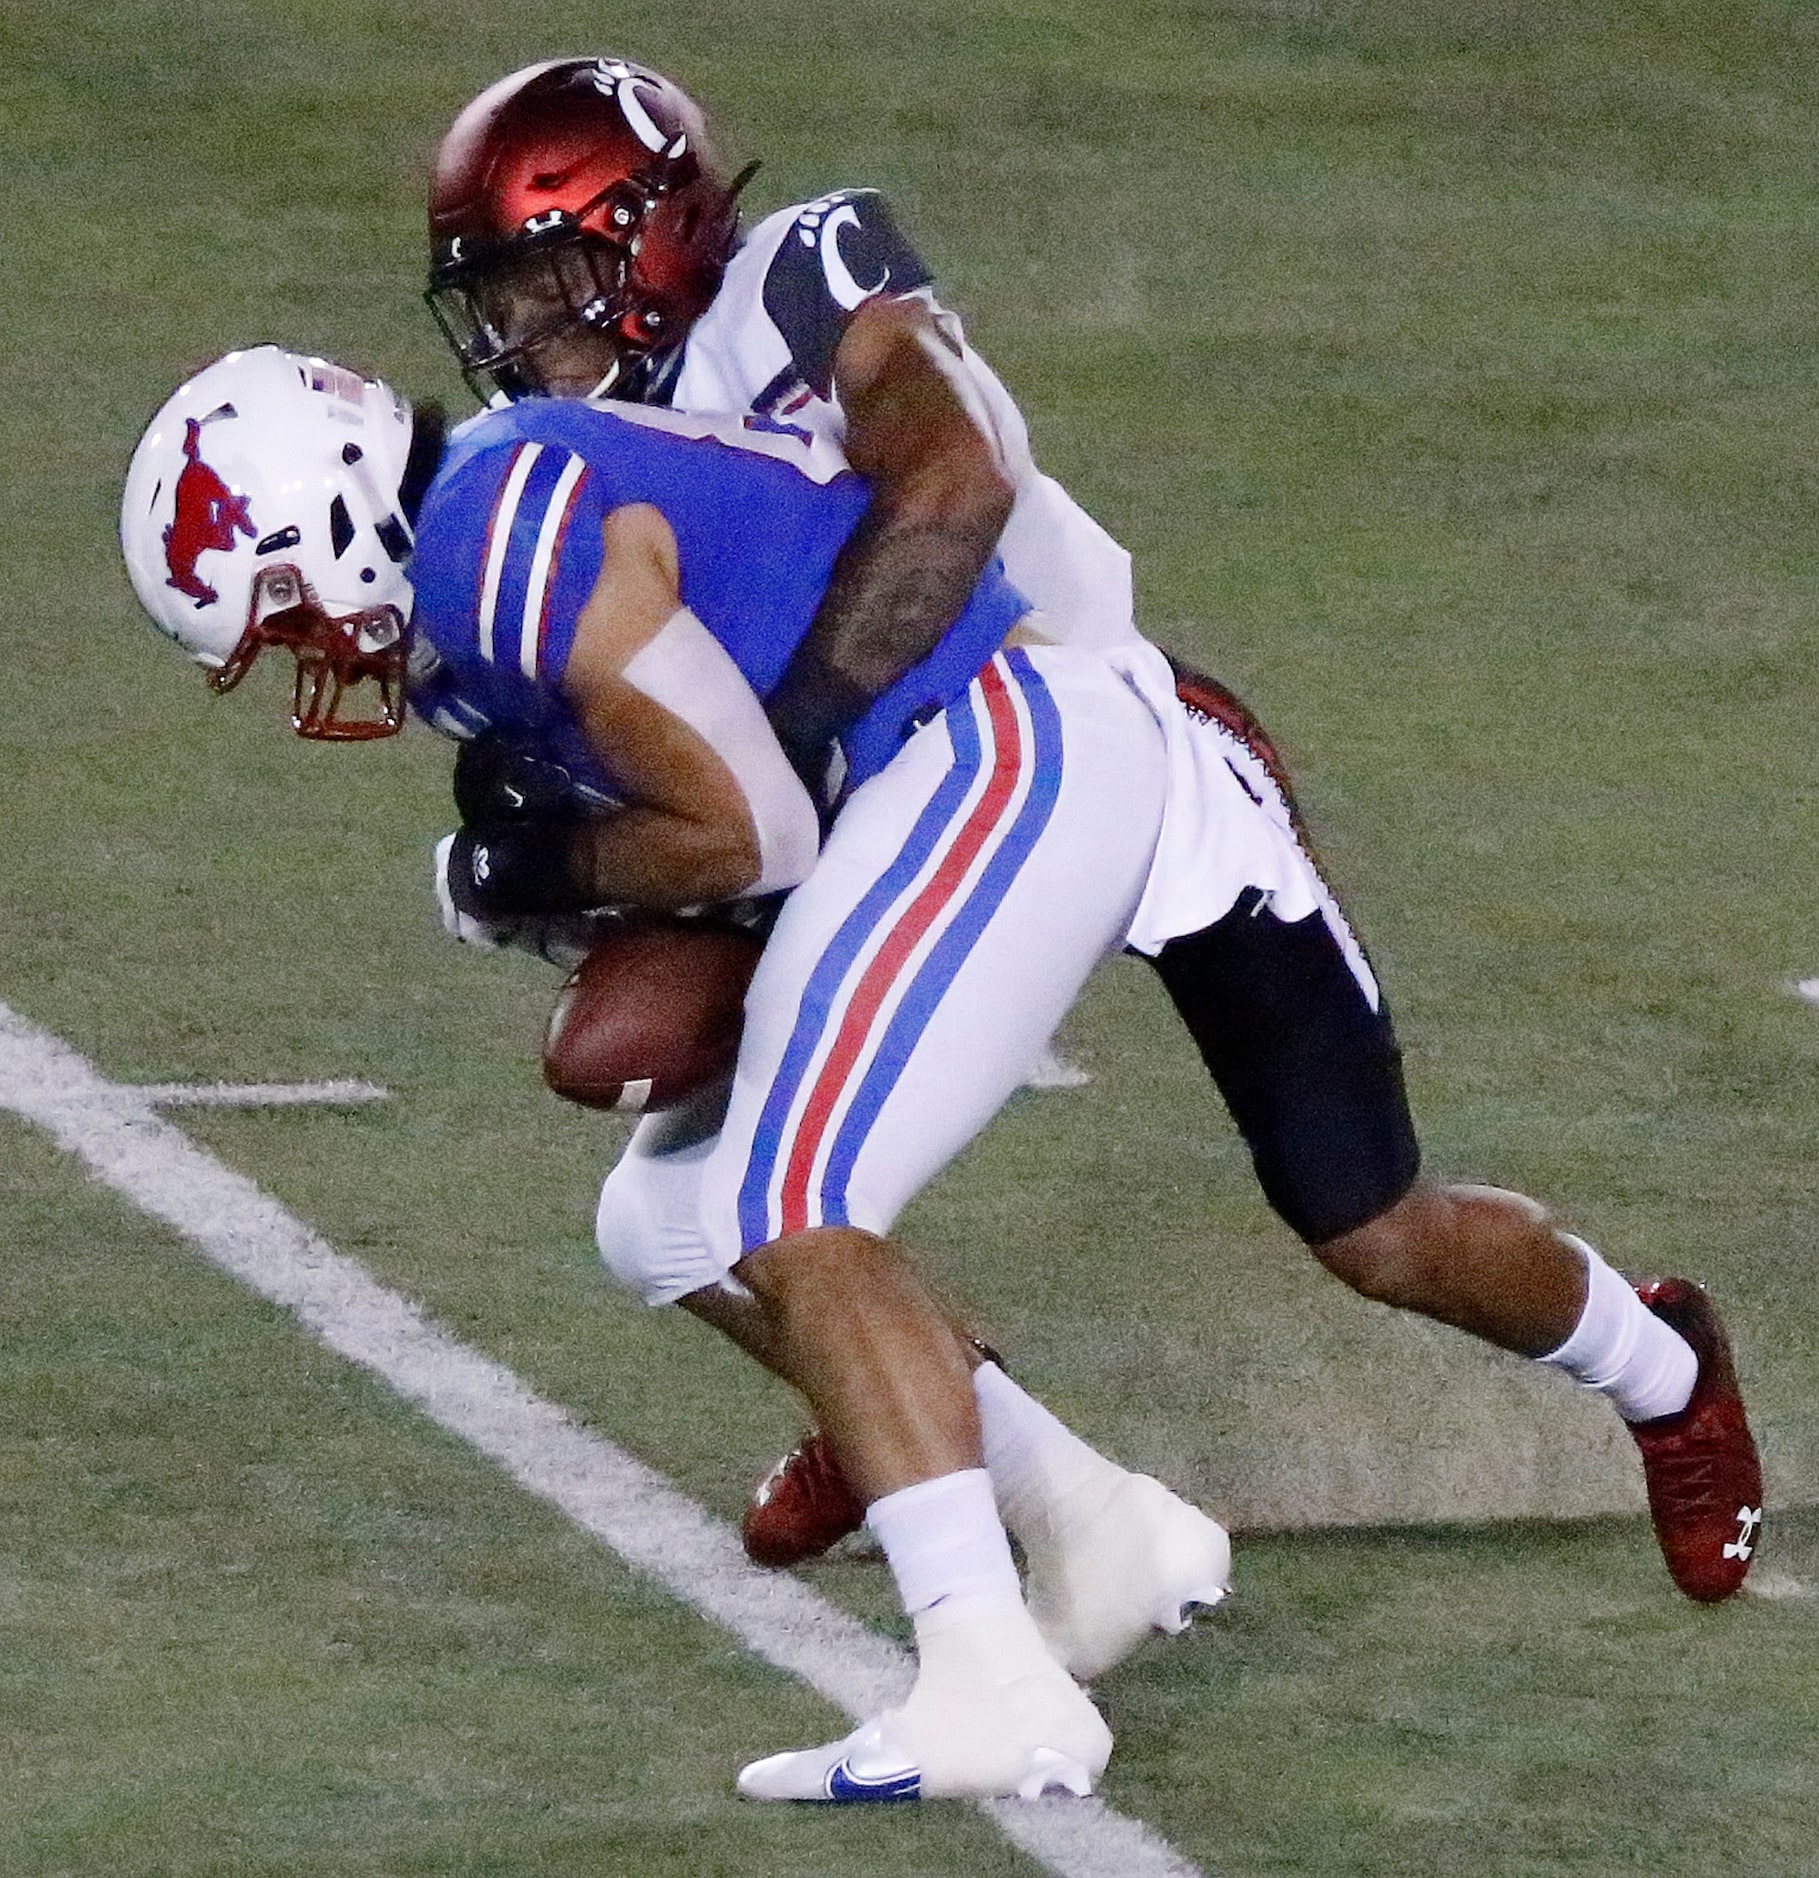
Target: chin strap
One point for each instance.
(429, 437)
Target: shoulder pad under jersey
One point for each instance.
(838, 252)
(508, 549)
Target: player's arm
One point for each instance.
(712, 810)
(941, 495)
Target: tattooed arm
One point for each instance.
(941, 495)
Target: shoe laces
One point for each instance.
(1686, 1473)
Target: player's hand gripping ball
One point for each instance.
(652, 1014)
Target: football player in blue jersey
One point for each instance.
(612, 589)
(585, 243)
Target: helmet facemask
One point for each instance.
(548, 313)
(334, 655)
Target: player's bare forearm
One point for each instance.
(684, 836)
(941, 496)
(687, 834)
(649, 857)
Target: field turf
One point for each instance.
(1452, 373)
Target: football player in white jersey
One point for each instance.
(545, 313)
(585, 244)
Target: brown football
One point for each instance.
(651, 1015)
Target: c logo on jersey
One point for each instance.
(840, 281)
(208, 517)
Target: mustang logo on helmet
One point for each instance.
(208, 517)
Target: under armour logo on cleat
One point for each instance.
(1748, 1519)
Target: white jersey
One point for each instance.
(766, 346)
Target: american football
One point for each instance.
(651, 1015)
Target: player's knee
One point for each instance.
(640, 1245)
(625, 1232)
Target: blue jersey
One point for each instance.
(509, 548)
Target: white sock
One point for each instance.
(1623, 1350)
(945, 1542)
(1033, 1457)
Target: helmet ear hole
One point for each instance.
(340, 527)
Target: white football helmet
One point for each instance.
(262, 508)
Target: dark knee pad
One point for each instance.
(1309, 1069)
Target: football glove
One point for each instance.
(504, 870)
(469, 928)
(497, 780)
(561, 939)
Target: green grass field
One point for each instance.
(1452, 373)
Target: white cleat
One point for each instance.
(991, 1716)
(868, 1764)
(872, 1764)
(1112, 1568)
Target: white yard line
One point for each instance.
(260, 1095)
(115, 1132)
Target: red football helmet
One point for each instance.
(575, 198)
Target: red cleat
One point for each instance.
(1704, 1480)
(802, 1506)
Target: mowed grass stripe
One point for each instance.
(112, 1130)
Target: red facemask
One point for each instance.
(333, 655)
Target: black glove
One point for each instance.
(497, 780)
(507, 870)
